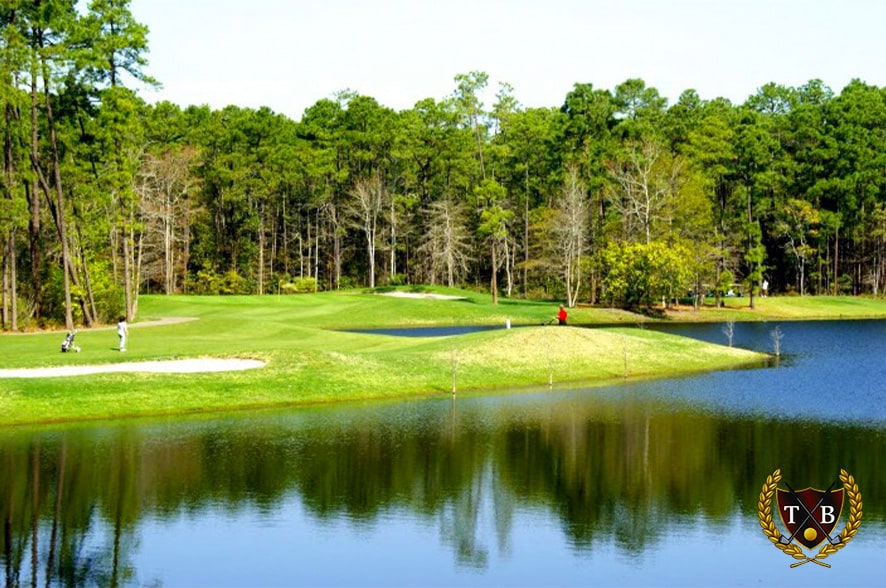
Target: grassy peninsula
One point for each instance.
(312, 358)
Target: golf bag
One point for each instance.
(68, 343)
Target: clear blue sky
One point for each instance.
(287, 54)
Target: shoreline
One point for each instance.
(309, 359)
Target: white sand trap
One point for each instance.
(171, 366)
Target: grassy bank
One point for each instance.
(786, 308)
(310, 359)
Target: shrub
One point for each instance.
(639, 274)
(398, 280)
(205, 282)
(300, 285)
(209, 281)
(233, 283)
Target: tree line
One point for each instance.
(614, 197)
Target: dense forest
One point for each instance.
(613, 197)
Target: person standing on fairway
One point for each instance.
(122, 332)
(561, 316)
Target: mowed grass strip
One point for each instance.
(310, 358)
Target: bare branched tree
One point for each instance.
(164, 185)
(645, 179)
(572, 232)
(446, 242)
(367, 205)
(798, 222)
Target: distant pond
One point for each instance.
(648, 484)
(427, 331)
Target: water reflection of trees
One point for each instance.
(49, 500)
(72, 502)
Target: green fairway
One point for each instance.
(310, 359)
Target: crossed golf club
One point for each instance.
(809, 515)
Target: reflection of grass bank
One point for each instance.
(310, 362)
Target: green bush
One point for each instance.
(208, 281)
(233, 283)
(642, 274)
(300, 285)
(398, 280)
(107, 294)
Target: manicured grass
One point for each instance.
(310, 359)
(786, 308)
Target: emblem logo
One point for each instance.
(810, 517)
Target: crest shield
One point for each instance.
(810, 515)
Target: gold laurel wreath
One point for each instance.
(764, 510)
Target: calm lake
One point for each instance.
(645, 484)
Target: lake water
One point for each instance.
(648, 484)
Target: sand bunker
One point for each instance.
(172, 366)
